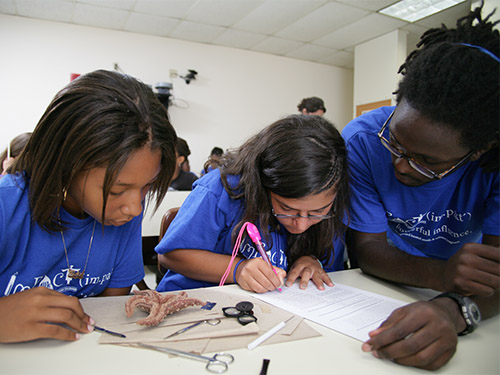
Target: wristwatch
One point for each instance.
(468, 308)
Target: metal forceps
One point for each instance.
(212, 322)
(217, 364)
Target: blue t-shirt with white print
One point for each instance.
(206, 220)
(31, 257)
(434, 219)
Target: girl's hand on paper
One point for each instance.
(41, 313)
(257, 276)
(421, 334)
(308, 268)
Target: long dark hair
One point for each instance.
(296, 156)
(98, 120)
(16, 147)
(458, 84)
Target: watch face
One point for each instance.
(475, 315)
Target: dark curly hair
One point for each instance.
(311, 104)
(450, 80)
(294, 157)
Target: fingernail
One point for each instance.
(375, 354)
(90, 328)
(287, 284)
(302, 286)
(366, 347)
(77, 336)
(91, 321)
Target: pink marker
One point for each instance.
(254, 234)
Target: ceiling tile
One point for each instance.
(238, 38)
(56, 10)
(7, 7)
(271, 16)
(449, 18)
(167, 8)
(340, 58)
(117, 4)
(276, 46)
(360, 31)
(100, 17)
(373, 5)
(148, 24)
(310, 52)
(329, 17)
(221, 12)
(304, 29)
(196, 32)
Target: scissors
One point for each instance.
(217, 364)
(212, 322)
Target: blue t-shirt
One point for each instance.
(206, 220)
(434, 219)
(31, 257)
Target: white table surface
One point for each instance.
(332, 353)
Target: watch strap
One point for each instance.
(468, 309)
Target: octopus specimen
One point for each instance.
(158, 305)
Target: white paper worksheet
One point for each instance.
(351, 311)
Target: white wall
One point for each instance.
(236, 92)
(376, 63)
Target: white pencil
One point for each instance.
(259, 340)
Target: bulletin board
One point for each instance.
(362, 108)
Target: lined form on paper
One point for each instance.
(351, 311)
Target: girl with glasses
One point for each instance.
(291, 181)
(425, 190)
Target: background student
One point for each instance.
(291, 181)
(71, 207)
(213, 160)
(182, 179)
(13, 151)
(312, 106)
(425, 182)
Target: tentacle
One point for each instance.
(137, 301)
(160, 305)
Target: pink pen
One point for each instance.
(254, 234)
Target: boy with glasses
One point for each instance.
(425, 192)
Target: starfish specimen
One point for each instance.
(158, 305)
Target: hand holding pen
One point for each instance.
(254, 234)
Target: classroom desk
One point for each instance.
(332, 353)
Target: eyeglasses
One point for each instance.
(242, 311)
(308, 217)
(413, 163)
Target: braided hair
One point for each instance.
(454, 79)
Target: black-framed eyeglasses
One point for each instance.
(309, 217)
(413, 163)
(242, 311)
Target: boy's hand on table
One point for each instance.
(257, 276)
(421, 334)
(308, 268)
(40, 313)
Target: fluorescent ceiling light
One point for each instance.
(414, 10)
